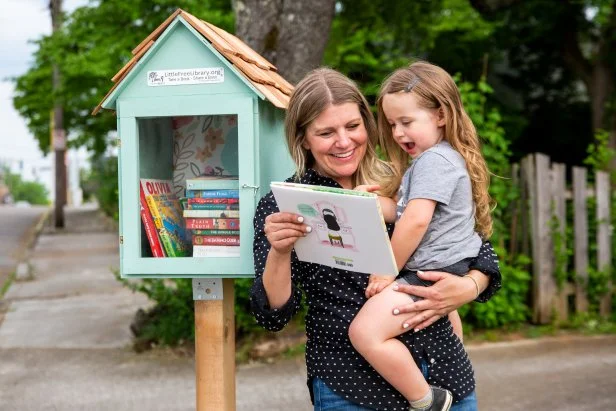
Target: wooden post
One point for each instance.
(214, 344)
(558, 178)
(604, 249)
(544, 287)
(580, 227)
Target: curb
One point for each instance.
(536, 341)
(31, 236)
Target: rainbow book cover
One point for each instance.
(167, 215)
(348, 230)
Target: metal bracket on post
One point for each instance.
(207, 289)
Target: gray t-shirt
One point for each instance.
(440, 174)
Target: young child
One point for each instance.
(443, 212)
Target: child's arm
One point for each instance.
(411, 228)
(456, 323)
(388, 205)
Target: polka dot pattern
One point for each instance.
(334, 297)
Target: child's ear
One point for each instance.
(440, 117)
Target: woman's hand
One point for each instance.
(448, 293)
(283, 230)
(377, 283)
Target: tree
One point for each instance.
(92, 44)
(579, 36)
(291, 34)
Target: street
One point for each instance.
(15, 227)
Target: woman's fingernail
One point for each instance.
(419, 272)
(405, 325)
(396, 311)
(308, 229)
(395, 286)
(416, 329)
(300, 219)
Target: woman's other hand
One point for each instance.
(448, 293)
(377, 283)
(282, 230)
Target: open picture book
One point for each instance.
(348, 230)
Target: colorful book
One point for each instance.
(213, 183)
(148, 224)
(216, 232)
(216, 240)
(212, 193)
(213, 223)
(216, 251)
(211, 213)
(198, 206)
(167, 216)
(227, 201)
(348, 230)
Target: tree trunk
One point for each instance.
(58, 135)
(291, 34)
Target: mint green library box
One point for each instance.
(194, 100)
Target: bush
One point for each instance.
(20, 190)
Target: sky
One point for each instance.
(22, 21)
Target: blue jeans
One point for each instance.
(327, 400)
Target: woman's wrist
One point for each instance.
(480, 279)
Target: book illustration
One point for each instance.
(203, 145)
(329, 223)
(167, 216)
(149, 227)
(348, 233)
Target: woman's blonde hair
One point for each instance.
(435, 89)
(312, 95)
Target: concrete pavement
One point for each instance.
(65, 345)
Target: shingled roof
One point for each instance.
(256, 69)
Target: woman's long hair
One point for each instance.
(435, 89)
(312, 95)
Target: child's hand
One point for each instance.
(377, 283)
(367, 188)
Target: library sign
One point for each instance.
(186, 76)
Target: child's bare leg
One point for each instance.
(456, 323)
(372, 334)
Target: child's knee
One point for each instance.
(358, 333)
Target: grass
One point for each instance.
(7, 283)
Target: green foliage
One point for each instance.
(30, 191)
(600, 154)
(102, 182)
(171, 320)
(94, 43)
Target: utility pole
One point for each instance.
(58, 135)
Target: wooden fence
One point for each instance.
(544, 199)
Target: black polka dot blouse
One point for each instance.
(334, 297)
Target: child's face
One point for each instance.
(415, 129)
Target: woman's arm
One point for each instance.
(274, 298)
(449, 292)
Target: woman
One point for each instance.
(331, 135)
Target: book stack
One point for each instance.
(212, 213)
(161, 215)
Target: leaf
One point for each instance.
(188, 141)
(181, 166)
(207, 122)
(194, 168)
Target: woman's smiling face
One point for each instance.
(337, 139)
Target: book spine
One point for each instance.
(216, 232)
(216, 240)
(158, 222)
(219, 184)
(213, 223)
(199, 200)
(150, 228)
(211, 214)
(212, 193)
(167, 244)
(199, 206)
(215, 251)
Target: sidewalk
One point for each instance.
(65, 342)
(65, 345)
